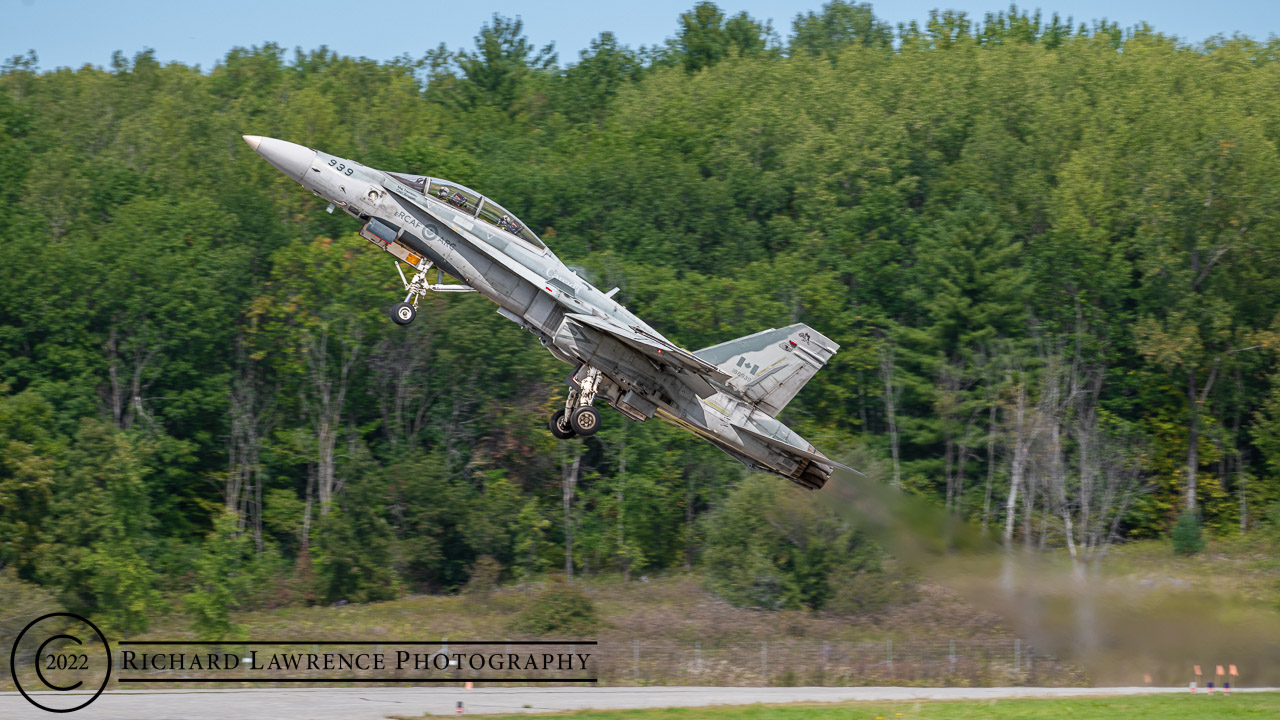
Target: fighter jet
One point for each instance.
(729, 394)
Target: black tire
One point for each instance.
(585, 420)
(560, 427)
(402, 313)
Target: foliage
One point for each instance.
(561, 607)
(1186, 535)
(995, 218)
(222, 581)
(29, 458)
(23, 602)
(840, 24)
(484, 577)
(1273, 522)
(773, 546)
(97, 552)
(531, 542)
(353, 551)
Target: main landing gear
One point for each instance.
(403, 313)
(578, 416)
(560, 426)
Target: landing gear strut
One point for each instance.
(403, 313)
(578, 416)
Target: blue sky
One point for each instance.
(77, 32)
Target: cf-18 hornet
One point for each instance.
(729, 394)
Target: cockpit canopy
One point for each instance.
(471, 202)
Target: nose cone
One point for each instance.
(289, 158)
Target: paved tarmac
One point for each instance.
(377, 703)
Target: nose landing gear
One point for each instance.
(403, 313)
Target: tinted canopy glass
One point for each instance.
(468, 200)
(417, 182)
(454, 194)
(496, 215)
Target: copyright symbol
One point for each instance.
(59, 665)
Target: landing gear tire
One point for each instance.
(402, 313)
(585, 420)
(560, 426)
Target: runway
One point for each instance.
(377, 703)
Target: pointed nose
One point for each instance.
(289, 158)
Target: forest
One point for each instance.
(1050, 252)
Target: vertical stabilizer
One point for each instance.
(769, 367)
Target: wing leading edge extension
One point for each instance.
(697, 373)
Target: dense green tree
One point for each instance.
(1048, 255)
(496, 72)
(603, 68)
(705, 36)
(775, 546)
(30, 456)
(354, 544)
(839, 25)
(99, 550)
(223, 580)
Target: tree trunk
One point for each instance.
(1022, 437)
(306, 513)
(890, 408)
(398, 366)
(326, 438)
(948, 466)
(324, 399)
(862, 403)
(624, 551)
(1028, 515)
(568, 482)
(1244, 503)
(125, 401)
(1011, 501)
(1193, 441)
(991, 464)
(1234, 465)
(1196, 401)
(962, 460)
(250, 424)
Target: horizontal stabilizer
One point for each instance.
(809, 454)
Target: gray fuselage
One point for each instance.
(535, 289)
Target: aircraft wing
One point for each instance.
(809, 453)
(696, 372)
